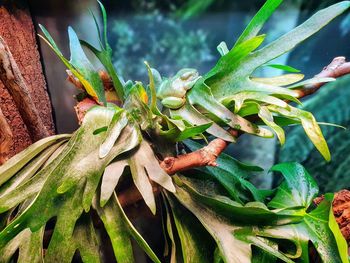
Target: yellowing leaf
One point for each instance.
(282, 80)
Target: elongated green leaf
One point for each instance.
(244, 96)
(142, 161)
(29, 245)
(89, 78)
(178, 135)
(311, 82)
(193, 116)
(116, 126)
(228, 62)
(196, 244)
(296, 36)
(284, 68)
(310, 126)
(339, 238)
(136, 235)
(142, 182)
(16, 163)
(152, 86)
(282, 80)
(231, 248)
(82, 64)
(231, 174)
(106, 61)
(87, 241)
(28, 171)
(248, 213)
(110, 179)
(231, 234)
(266, 116)
(259, 20)
(116, 228)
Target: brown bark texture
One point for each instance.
(26, 113)
(341, 211)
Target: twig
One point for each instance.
(205, 156)
(13, 80)
(336, 69)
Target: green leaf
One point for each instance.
(312, 81)
(284, 68)
(204, 98)
(266, 116)
(175, 252)
(110, 179)
(316, 227)
(193, 8)
(247, 96)
(231, 174)
(232, 73)
(152, 87)
(248, 213)
(76, 166)
(329, 105)
(82, 64)
(258, 20)
(88, 77)
(222, 48)
(221, 229)
(106, 61)
(339, 238)
(87, 241)
(104, 16)
(29, 245)
(236, 228)
(116, 227)
(228, 62)
(310, 126)
(135, 234)
(193, 116)
(282, 80)
(17, 162)
(27, 172)
(145, 167)
(295, 36)
(298, 188)
(116, 126)
(177, 135)
(196, 244)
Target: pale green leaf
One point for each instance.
(17, 162)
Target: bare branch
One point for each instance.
(336, 69)
(205, 156)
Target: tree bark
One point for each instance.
(17, 31)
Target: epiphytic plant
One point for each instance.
(58, 196)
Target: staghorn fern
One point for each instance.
(73, 180)
(333, 98)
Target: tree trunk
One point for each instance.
(21, 125)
